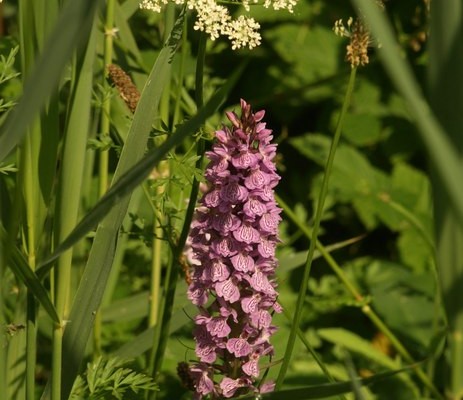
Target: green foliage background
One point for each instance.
(378, 220)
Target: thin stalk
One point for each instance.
(31, 329)
(61, 282)
(181, 73)
(367, 310)
(162, 170)
(174, 265)
(438, 317)
(313, 241)
(311, 350)
(68, 201)
(31, 344)
(164, 106)
(27, 160)
(3, 349)
(105, 122)
(156, 267)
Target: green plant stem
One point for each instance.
(181, 73)
(155, 284)
(313, 239)
(161, 171)
(367, 310)
(157, 301)
(103, 178)
(29, 195)
(164, 106)
(310, 349)
(3, 380)
(174, 265)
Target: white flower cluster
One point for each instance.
(215, 19)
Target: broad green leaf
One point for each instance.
(353, 178)
(362, 129)
(415, 251)
(403, 298)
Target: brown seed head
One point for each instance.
(127, 90)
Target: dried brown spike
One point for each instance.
(126, 88)
(357, 50)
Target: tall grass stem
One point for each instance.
(313, 240)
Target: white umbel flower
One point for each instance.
(215, 19)
(244, 32)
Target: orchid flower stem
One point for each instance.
(318, 217)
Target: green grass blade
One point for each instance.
(69, 190)
(440, 149)
(71, 30)
(326, 390)
(144, 341)
(93, 282)
(130, 179)
(24, 273)
(445, 86)
(91, 290)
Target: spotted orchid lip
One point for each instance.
(233, 240)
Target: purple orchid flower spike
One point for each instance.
(233, 240)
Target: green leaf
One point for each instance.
(403, 298)
(353, 178)
(362, 129)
